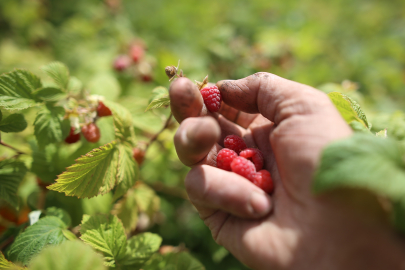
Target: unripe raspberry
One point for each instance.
(263, 180)
(139, 155)
(254, 155)
(225, 158)
(103, 110)
(91, 132)
(122, 62)
(72, 137)
(235, 143)
(243, 167)
(137, 52)
(212, 98)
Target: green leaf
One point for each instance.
(71, 255)
(363, 161)
(69, 235)
(358, 110)
(59, 73)
(44, 162)
(106, 85)
(126, 210)
(175, 261)
(349, 109)
(147, 199)
(59, 213)
(12, 173)
(50, 94)
(97, 205)
(382, 133)
(74, 86)
(105, 233)
(13, 123)
(47, 231)
(124, 130)
(50, 126)
(160, 98)
(6, 265)
(140, 248)
(1, 116)
(95, 173)
(128, 171)
(16, 89)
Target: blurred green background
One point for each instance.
(352, 46)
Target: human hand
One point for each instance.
(290, 123)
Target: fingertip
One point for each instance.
(195, 138)
(185, 99)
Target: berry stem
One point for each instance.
(154, 138)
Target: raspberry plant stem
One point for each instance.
(154, 138)
(12, 148)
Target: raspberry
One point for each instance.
(224, 159)
(121, 62)
(139, 155)
(146, 78)
(72, 137)
(263, 180)
(137, 52)
(243, 167)
(254, 155)
(91, 132)
(212, 98)
(235, 143)
(103, 110)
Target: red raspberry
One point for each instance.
(103, 110)
(137, 52)
(139, 155)
(146, 78)
(72, 137)
(121, 62)
(91, 132)
(254, 155)
(235, 143)
(224, 158)
(244, 167)
(212, 98)
(263, 180)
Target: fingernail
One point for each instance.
(260, 203)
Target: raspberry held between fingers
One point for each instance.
(254, 155)
(235, 143)
(212, 98)
(243, 167)
(263, 180)
(225, 158)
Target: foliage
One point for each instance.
(358, 59)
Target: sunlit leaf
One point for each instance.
(159, 99)
(93, 174)
(105, 233)
(128, 171)
(140, 248)
(124, 130)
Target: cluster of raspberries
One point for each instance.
(247, 162)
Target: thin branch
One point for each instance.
(154, 138)
(12, 148)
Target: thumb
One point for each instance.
(272, 96)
